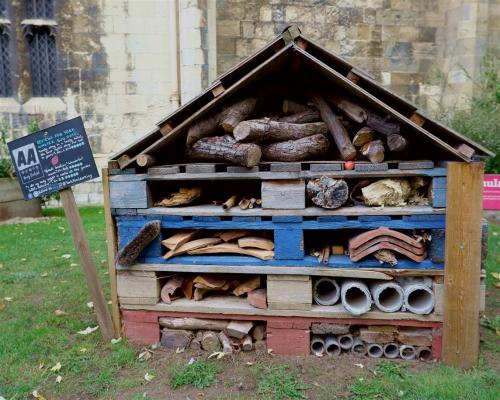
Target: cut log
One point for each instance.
(257, 298)
(327, 192)
(337, 130)
(175, 338)
(145, 160)
(230, 203)
(374, 151)
(219, 148)
(382, 125)
(246, 343)
(363, 136)
(193, 324)
(195, 344)
(297, 150)
(259, 332)
(244, 203)
(202, 128)
(387, 192)
(256, 242)
(175, 241)
(226, 343)
(397, 143)
(233, 248)
(247, 286)
(227, 236)
(353, 111)
(182, 197)
(309, 115)
(234, 114)
(210, 341)
(266, 130)
(290, 106)
(192, 245)
(239, 329)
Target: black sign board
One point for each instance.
(53, 159)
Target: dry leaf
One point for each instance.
(2, 306)
(218, 354)
(41, 365)
(56, 367)
(8, 298)
(110, 302)
(90, 304)
(497, 331)
(495, 275)
(83, 350)
(73, 265)
(249, 363)
(115, 341)
(45, 274)
(59, 312)
(88, 330)
(66, 256)
(1, 265)
(23, 259)
(58, 379)
(497, 285)
(148, 377)
(359, 365)
(144, 356)
(37, 395)
(270, 352)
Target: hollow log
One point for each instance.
(327, 192)
(337, 130)
(397, 143)
(309, 115)
(210, 341)
(374, 151)
(381, 124)
(230, 203)
(231, 116)
(296, 150)
(260, 130)
(363, 136)
(220, 148)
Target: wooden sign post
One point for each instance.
(53, 160)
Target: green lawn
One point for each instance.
(40, 273)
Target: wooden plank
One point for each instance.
(283, 194)
(138, 284)
(286, 167)
(463, 264)
(289, 292)
(417, 118)
(164, 170)
(363, 167)
(325, 167)
(133, 194)
(127, 177)
(424, 164)
(218, 90)
(352, 77)
(126, 301)
(200, 168)
(87, 262)
(230, 305)
(112, 241)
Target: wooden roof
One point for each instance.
(328, 66)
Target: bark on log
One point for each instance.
(202, 128)
(193, 324)
(381, 125)
(246, 343)
(363, 136)
(260, 130)
(397, 143)
(296, 150)
(374, 151)
(259, 332)
(290, 106)
(222, 149)
(337, 130)
(309, 115)
(353, 111)
(226, 343)
(210, 341)
(327, 192)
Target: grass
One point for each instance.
(40, 273)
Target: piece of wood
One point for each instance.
(415, 336)
(397, 143)
(123, 160)
(236, 113)
(218, 90)
(463, 264)
(256, 242)
(130, 194)
(417, 119)
(192, 245)
(289, 194)
(387, 192)
(376, 335)
(363, 136)
(232, 248)
(296, 150)
(193, 324)
(87, 262)
(220, 148)
(324, 328)
(465, 149)
(195, 344)
(230, 203)
(352, 76)
(352, 110)
(175, 338)
(227, 236)
(283, 293)
(126, 301)
(290, 106)
(257, 298)
(227, 348)
(382, 125)
(137, 284)
(175, 241)
(337, 250)
(210, 341)
(374, 151)
(267, 130)
(246, 343)
(200, 169)
(247, 286)
(309, 115)
(337, 130)
(112, 241)
(238, 329)
(182, 197)
(327, 192)
(259, 332)
(129, 253)
(145, 160)
(244, 203)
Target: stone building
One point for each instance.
(124, 64)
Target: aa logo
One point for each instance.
(25, 156)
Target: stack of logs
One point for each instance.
(228, 242)
(300, 133)
(212, 335)
(197, 287)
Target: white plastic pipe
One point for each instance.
(317, 345)
(424, 353)
(346, 341)
(391, 350)
(326, 291)
(407, 352)
(387, 296)
(375, 350)
(419, 298)
(358, 347)
(355, 296)
(332, 346)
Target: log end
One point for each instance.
(254, 156)
(242, 131)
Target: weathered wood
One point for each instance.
(415, 336)
(202, 128)
(288, 194)
(87, 262)
(267, 130)
(175, 338)
(256, 242)
(363, 136)
(296, 150)
(129, 253)
(382, 125)
(239, 329)
(259, 332)
(175, 241)
(210, 341)
(374, 151)
(246, 343)
(226, 343)
(145, 160)
(232, 248)
(309, 115)
(230, 203)
(288, 293)
(465, 149)
(397, 143)
(247, 286)
(193, 324)
(463, 263)
(290, 106)
(227, 236)
(387, 192)
(236, 113)
(133, 194)
(337, 130)
(200, 169)
(192, 245)
(182, 197)
(327, 192)
(353, 111)
(220, 148)
(257, 298)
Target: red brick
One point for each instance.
(288, 323)
(140, 316)
(437, 343)
(141, 332)
(289, 342)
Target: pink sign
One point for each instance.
(491, 192)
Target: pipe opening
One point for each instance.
(356, 297)
(326, 292)
(391, 350)
(333, 349)
(425, 355)
(317, 347)
(346, 341)
(359, 349)
(407, 352)
(389, 297)
(375, 351)
(420, 300)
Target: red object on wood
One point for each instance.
(491, 192)
(290, 342)
(257, 298)
(349, 165)
(142, 332)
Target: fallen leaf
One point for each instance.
(2, 306)
(41, 365)
(73, 265)
(249, 363)
(45, 274)
(270, 352)
(497, 284)
(37, 395)
(23, 259)
(110, 302)
(218, 354)
(90, 304)
(56, 367)
(8, 298)
(359, 365)
(115, 341)
(58, 379)
(179, 350)
(59, 312)
(1, 265)
(144, 356)
(66, 256)
(148, 377)
(497, 331)
(83, 350)
(495, 275)
(103, 261)
(88, 330)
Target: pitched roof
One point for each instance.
(274, 60)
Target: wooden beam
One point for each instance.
(352, 77)
(417, 118)
(166, 128)
(217, 90)
(463, 264)
(112, 240)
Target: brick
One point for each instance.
(437, 343)
(142, 332)
(289, 342)
(139, 316)
(289, 323)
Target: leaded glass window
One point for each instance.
(5, 72)
(43, 9)
(43, 58)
